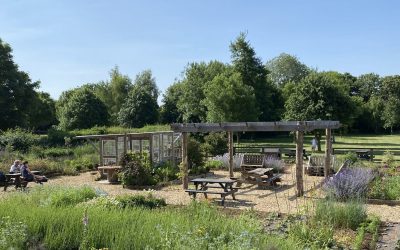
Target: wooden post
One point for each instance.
(125, 143)
(299, 163)
(230, 147)
(328, 151)
(101, 151)
(185, 179)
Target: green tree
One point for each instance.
(17, 92)
(321, 96)
(169, 110)
(195, 78)
(43, 114)
(390, 98)
(268, 97)
(81, 108)
(114, 92)
(229, 100)
(286, 68)
(368, 85)
(141, 106)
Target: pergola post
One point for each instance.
(230, 147)
(299, 162)
(101, 151)
(328, 150)
(185, 179)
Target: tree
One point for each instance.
(286, 68)
(368, 85)
(17, 92)
(141, 106)
(81, 108)
(390, 98)
(229, 100)
(113, 92)
(320, 96)
(196, 77)
(268, 97)
(169, 110)
(43, 112)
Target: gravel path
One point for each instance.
(281, 200)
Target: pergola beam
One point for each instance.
(254, 126)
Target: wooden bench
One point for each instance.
(292, 154)
(316, 165)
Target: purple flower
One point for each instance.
(350, 183)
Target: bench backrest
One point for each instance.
(319, 161)
(253, 159)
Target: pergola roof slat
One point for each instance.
(254, 126)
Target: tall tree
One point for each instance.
(43, 112)
(81, 108)
(390, 98)
(169, 110)
(228, 99)
(320, 96)
(195, 78)
(286, 68)
(141, 106)
(268, 97)
(114, 92)
(17, 91)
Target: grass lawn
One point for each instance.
(379, 143)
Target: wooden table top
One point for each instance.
(13, 175)
(213, 180)
(260, 171)
(110, 167)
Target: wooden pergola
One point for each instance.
(300, 127)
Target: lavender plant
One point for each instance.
(350, 183)
(275, 163)
(237, 160)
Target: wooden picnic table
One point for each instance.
(263, 177)
(112, 176)
(363, 154)
(202, 186)
(292, 153)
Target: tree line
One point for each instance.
(246, 89)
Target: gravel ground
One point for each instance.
(282, 199)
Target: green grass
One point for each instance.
(198, 225)
(380, 143)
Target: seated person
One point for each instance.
(15, 168)
(27, 175)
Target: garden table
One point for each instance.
(12, 179)
(202, 186)
(363, 154)
(112, 176)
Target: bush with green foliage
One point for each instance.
(165, 171)
(214, 164)
(195, 156)
(215, 144)
(148, 201)
(63, 197)
(19, 139)
(136, 170)
(351, 157)
(386, 188)
(388, 158)
(340, 215)
(371, 226)
(57, 137)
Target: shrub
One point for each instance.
(214, 164)
(148, 201)
(195, 156)
(350, 156)
(57, 137)
(349, 183)
(166, 171)
(388, 158)
(195, 170)
(340, 215)
(386, 188)
(215, 144)
(273, 162)
(136, 170)
(18, 139)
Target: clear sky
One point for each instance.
(65, 44)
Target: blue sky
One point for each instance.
(65, 44)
